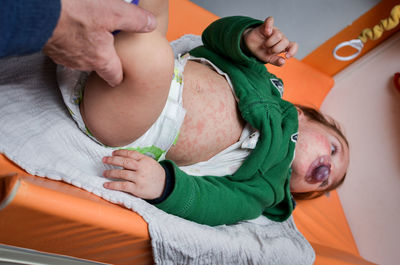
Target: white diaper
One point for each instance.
(162, 134)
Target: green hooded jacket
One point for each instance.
(261, 184)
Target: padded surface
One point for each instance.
(321, 221)
(55, 217)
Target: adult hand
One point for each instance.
(83, 37)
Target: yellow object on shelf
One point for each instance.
(373, 33)
(385, 25)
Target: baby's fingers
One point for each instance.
(279, 47)
(120, 161)
(276, 60)
(126, 181)
(275, 38)
(124, 186)
(128, 175)
(128, 153)
(291, 50)
(268, 26)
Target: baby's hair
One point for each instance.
(317, 116)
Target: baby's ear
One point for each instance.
(301, 116)
(299, 112)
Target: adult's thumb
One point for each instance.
(135, 19)
(111, 72)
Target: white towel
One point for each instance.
(38, 134)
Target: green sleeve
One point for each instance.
(214, 200)
(224, 37)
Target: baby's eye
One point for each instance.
(333, 149)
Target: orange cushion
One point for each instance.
(54, 217)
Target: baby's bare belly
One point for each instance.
(212, 121)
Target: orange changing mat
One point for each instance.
(55, 217)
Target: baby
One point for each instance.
(217, 101)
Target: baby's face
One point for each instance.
(321, 157)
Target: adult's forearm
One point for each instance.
(26, 25)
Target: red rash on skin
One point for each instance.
(212, 121)
(200, 127)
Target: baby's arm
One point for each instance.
(254, 39)
(268, 44)
(208, 200)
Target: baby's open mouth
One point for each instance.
(319, 170)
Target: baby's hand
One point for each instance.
(140, 175)
(267, 43)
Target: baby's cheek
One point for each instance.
(300, 162)
(323, 143)
(301, 147)
(303, 166)
(315, 143)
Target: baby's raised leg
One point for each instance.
(160, 9)
(117, 116)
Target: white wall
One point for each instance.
(365, 101)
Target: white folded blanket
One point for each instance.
(38, 134)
